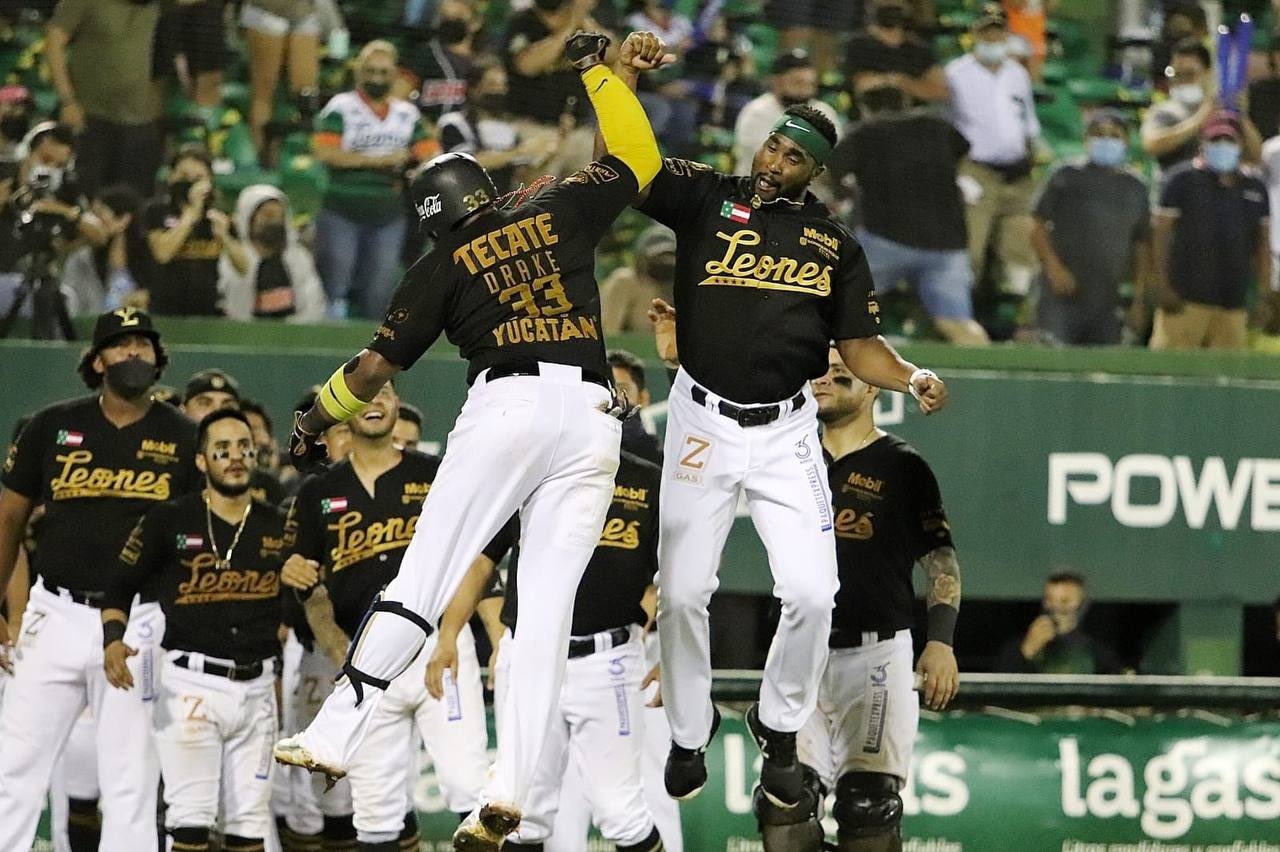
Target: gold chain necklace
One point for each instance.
(221, 563)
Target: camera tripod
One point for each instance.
(50, 319)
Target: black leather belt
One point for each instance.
(93, 599)
(532, 368)
(246, 671)
(587, 645)
(853, 639)
(747, 415)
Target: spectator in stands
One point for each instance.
(993, 106)
(1092, 231)
(1264, 94)
(103, 278)
(1211, 238)
(1055, 642)
(16, 110)
(99, 54)
(434, 73)
(279, 33)
(721, 73)
(815, 25)
(187, 236)
(368, 139)
(407, 433)
(795, 81)
(545, 91)
(194, 30)
(887, 46)
(486, 131)
(1028, 22)
(904, 166)
(1171, 129)
(281, 282)
(666, 94)
(625, 296)
(1183, 20)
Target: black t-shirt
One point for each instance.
(1264, 106)
(888, 514)
(439, 75)
(515, 285)
(12, 246)
(544, 97)
(233, 612)
(95, 481)
(360, 539)
(867, 53)
(188, 284)
(905, 166)
(266, 488)
(760, 290)
(625, 561)
(1215, 236)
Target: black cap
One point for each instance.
(791, 60)
(411, 413)
(448, 189)
(122, 322)
(210, 380)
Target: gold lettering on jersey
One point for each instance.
(855, 527)
(739, 268)
(272, 545)
(164, 452)
(207, 584)
(358, 542)
(631, 498)
(859, 482)
(77, 480)
(620, 533)
(825, 244)
(519, 237)
(415, 492)
(199, 249)
(541, 330)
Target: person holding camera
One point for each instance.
(1054, 642)
(367, 139)
(187, 236)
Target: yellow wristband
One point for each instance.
(336, 398)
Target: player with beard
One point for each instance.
(97, 463)
(214, 560)
(354, 521)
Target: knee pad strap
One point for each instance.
(652, 843)
(360, 679)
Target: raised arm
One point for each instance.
(348, 391)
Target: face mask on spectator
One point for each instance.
(991, 52)
(549, 5)
(883, 99)
(1222, 156)
(46, 177)
(1190, 95)
(15, 125)
(1106, 150)
(453, 30)
(891, 17)
(376, 89)
(661, 268)
(271, 235)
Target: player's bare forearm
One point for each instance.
(877, 363)
(362, 377)
(318, 609)
(15, 511)
(470, 591)
(490, 612)
(942, 595)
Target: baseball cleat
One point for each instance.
(292, 752)
(781, 778)
(686, 771)
(487, 831)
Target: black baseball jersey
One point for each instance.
(888, 514)
(232, 612)
(360, 539)
(266, 488)
(95, 481)
(625, 560)
(761, 290)
(515, 285)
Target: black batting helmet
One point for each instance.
(448, 189)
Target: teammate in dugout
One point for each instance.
(515, 289)
(98, 464)
(214, 560)
(765, 278)
(354, 522)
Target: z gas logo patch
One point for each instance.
(694, 456)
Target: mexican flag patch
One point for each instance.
(70, 439)
(333, 504)
(186, 541)
(739, 213)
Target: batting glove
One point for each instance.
(584, 50)
(306, 453)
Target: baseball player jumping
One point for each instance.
(515, 289)
(354, 522)
(214, 559)
(765, 278)
(97, 464)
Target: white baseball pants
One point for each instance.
(708, 460)
(454, 730)
(58, 671)
(215, 736)
(867, 714)
(542, 445)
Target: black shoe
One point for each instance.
(781, 778)
(686, 772)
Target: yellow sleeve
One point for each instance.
(623, 124)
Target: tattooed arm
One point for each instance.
(937, 666)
